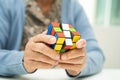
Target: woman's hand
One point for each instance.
(74, 61)
(38, 54)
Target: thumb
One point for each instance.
(81, 43)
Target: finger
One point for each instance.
(36, 56)
(44, 38)
(73, 54)
(81, 43)
(45, 50)
(41, 65)
(71, 66)
(45, 32)
(79, 60)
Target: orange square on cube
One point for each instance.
(76, 33)
(55, 24)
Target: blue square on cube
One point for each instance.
(56, 36)
(49, 29)
(52, 46)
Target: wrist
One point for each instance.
(28, 69)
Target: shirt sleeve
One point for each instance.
(95, 57)
(11, 63)
(10, 60)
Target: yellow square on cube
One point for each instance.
(76, 38)
(60, 41)
(73, 46)
(58, 47)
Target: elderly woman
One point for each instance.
(23, 38)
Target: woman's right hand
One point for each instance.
(38, 55)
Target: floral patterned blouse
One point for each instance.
(36, 22)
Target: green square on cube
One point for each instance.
(57, 29)
(72, 30)
(62, 50)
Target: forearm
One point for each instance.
(95, 59)
(11, 63)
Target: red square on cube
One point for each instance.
(67, 47)
(76, 33)
(52, 32)
(60, 35)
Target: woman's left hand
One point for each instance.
(74, 61)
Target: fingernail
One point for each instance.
(83, 43)
(52, 39)
(79, 45)
(64, 57)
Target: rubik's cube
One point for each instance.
(66, 36)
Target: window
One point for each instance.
(108, 12)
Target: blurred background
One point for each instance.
(104, 16)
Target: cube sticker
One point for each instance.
(72, 30)
(55, 24)
(68, 42)
(73, 46)
(57, 29)
(58, 47)
(65, 27)
(67, 34)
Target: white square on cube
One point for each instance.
(67, 34)
(68, 42)
(65, 26)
